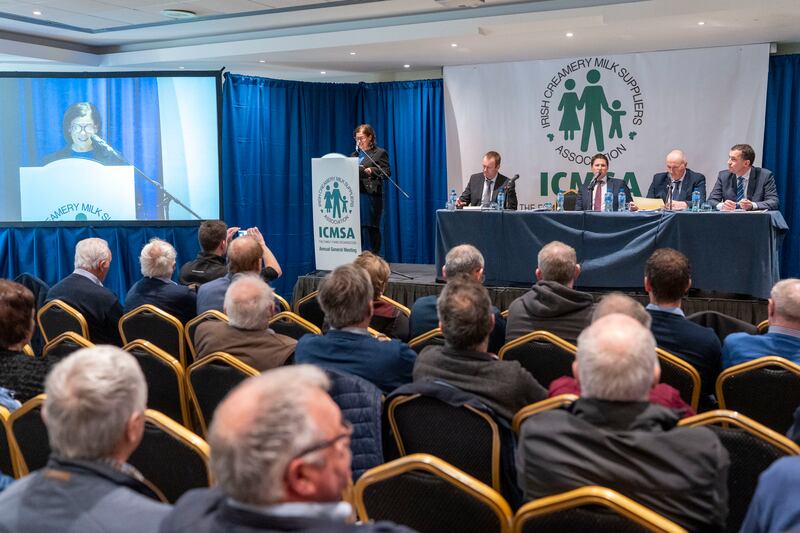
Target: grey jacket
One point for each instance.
(552, 307)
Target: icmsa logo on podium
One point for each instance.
(336, 207)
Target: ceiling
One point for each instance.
(368, 39)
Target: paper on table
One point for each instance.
(648, 204)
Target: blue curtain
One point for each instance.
(782, 150)
(273, 128)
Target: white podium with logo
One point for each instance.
(73, 189)
(337, 210)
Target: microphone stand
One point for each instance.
(383, 172)
(166, 196)
(669, 194)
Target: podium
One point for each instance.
(337, 210)
(76, 189)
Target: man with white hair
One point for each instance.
(613, 437)
(249, 304)
(83, 290)
(157, 261)
(94, 413)
(783, 337)
(681, 179)
(280, 456)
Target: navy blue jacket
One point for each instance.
(424, 318)
(691, 181)
(178, 300)
(98, 305)
(585, 201)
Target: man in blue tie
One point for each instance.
(744, 186)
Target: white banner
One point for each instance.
(547, 118)
(337, 223)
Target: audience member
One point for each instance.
(783, 337)
(157, 288)
(614, 438)
(249, 304)
(280, 455)
(345, 296)
(386, 318)
(552, 304)
(616, 302)
(461, 260)
(214, 237)
(94, 413)
(83, 290)
(775, 506)
(667, 278)
(465, 316)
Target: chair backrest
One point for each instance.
(292, 325)
(422, 424)
(433, 337)
(378, 335)
(56, 317)
(63, 345)
(28, 350)
(544, 355)
(8, 455)
(281, 304)
(570, 199)
(722, 324)
(210, 379)
(590, 508)
(191, 327)
(171, 457)
(148, 322)
(427, 494)
(752, 448)
(402, 308)
(562, 400)
(762, 327)
(166, 382)
(765, 389)
(677, 373)
(308, 307)
(28, 436)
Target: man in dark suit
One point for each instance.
(483, 187)
(590, 198)
(744, 186)
(156, 288)
(683, 180)
(666, 280)
(83, 290)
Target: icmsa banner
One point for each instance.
(548, 118)
(337, 224)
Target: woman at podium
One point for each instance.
(373, 169)
(81, 122)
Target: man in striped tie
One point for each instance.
(744, 186)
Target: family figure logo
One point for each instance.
(335, 200)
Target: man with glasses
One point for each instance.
(280, 455)
(81, 122)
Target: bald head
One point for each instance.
(244, 255)
(784, 304)
(249, 303)
(676, 164)
(557, 262)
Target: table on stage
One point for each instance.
(735, 252)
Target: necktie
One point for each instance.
(598, 196)
(740, 189)
(486, 198)
(676, 188)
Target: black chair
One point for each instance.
(57, 317)
(752, 448)
(149, 323)
(433, 337)
(681, 375)
(64, 345)
(544, 355)
(591, 508)
(722, 324)
(210, 379)
(570, 200)
(171, 457)
(762, 327)
(765, 389)
(28, 436)
(281, 304)
(8, 456)
(166, 382)
(39, 289)
(292, 325)
(555, 402)
(191, 327)
(308, 307)
(430, 496)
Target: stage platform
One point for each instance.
(411, 281)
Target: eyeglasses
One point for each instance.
(348, 432)
(86, 128)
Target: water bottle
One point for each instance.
(608, 204)
(560, 201)
(623, 201)
(451, 202)
(695, 201)
(501, 198)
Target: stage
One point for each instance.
(422, 282)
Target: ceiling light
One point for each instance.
(570, 34)
(352, 53)
(181, 68)
(701, 23)
(322, 72)
(178, 13)
(262, 60)
(37, 13)
(406, 66)
(454, 45)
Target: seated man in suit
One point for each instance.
(463, 260)
(465, 316)
(744, 186)
(591, 197)
(783, 337)
(483, 187)
(249, 304)
(552, 304)
(83, 290)
(667, 279)
(280, 456)
(683, 181)
(613, 437)
(345, 296)
(157, 261)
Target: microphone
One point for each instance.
(510, 183)
(99, 140)
(594, 181)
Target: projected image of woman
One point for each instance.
(81, 122)
(373, 168)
